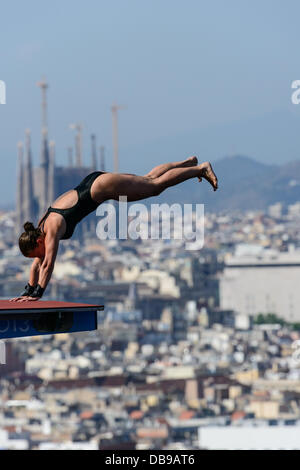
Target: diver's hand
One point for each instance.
(28, 299)
(24, 299)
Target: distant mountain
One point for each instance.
(244, 184)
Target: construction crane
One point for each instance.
(44, 86)
(78, 143)
(114, 110)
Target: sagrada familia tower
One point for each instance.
(38, 187)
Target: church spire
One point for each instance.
(20, 197)
(51, 190)
(28, 192)
(94, 153)
(44, 149)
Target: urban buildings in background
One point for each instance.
(176, 362)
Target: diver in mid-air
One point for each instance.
(60, 220)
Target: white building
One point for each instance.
(256, 280)
(249, 437)
(12, 444)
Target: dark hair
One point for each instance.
(28, 239)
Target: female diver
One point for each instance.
(70, 208)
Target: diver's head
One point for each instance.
(32, 242)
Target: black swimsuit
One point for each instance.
(84, 206)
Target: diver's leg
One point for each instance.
(161, 169)
(135, 187)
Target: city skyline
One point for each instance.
(188, 85)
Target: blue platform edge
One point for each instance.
(48, 324)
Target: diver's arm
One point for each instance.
(34, 271)
(33, 280)
(47, 266)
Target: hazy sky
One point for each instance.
(202, 77)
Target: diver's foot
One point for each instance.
(191, 161)
(208, 173)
